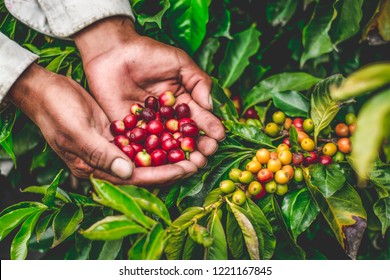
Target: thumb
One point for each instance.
(103, 155)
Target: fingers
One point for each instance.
(207, 146)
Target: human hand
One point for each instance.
(123, 67)
(71, 122)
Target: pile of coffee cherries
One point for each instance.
(157, 132)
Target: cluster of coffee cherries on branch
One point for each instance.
(269, 171)
(157, 132)
(332, 145)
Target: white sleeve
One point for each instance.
(13, 61)
(63, 18)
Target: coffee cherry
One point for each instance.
(263, 155)
(278, 117)
(338, 157)
(148, 115)
(138, 135)
(352, 128)
(152, 142)
(261, 194)
(253, 166)
(155, 127)
(187, 144)
(159, 157)
(152, 103)
(236, 100)
(176, 155)
(137, 147)
(172, 125)
(184, 121)
(285, 156)
(167, 112)
(329, 149)
(302, 135)
(311, 159)
(287, 142)
(281, 177)
(178, 136)
(282, 147)
(298, 175)
(308, 125)
(325, 160)
(265, 175)
(129, 151)
(190, 130)
(281, 189)
(246, 177)
(234, 175)
(238, 197)
(121, 141)
(227, 186)
(251, 113)
(297, 158)
(270, 187)
(342, 130)
(307, 144)
(166, 99)
(183, 111)
(130, 121)
(136, 109)
(165, 135)
(254, 188)
(117, 127)
(272, 129)
(287, 123)
(298, 124)
(170, 144)
(350, 118)
(143, 159)
(344, 145)
(273, 155)
(289, 169)
(141, 124)
(274, 165)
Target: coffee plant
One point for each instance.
(303, 90)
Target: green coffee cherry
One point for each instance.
(227, 186)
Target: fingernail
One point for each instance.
(211, 102)
(122, 168)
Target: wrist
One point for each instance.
(104, 35)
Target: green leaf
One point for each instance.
(7, 121)
(8, 146)
(187, 215)
(205, 55)
(213, 196)
(265, 89)
(372, 126)
(24, 204)
(66, 222)
(263, 228)
(382, 211)
(110, 250)
(238, 52)
(111, 196)
(249, 133)
(323, 107)
(20, 242)
(220, 100)
(51, 191)
(60, 194)
(279, 12)
(175, 246)
(200, 235)
(42, 226)
(328, 178)
(315, 38)
(347, 22)
(344, 213)
(136, 252)
(188, 20)
(248, 231)
(292, 103)
(380, 176)
(143, 15)
(234, 237)
(220, 22)
(299, 210)
(218, 249)
(367, 78)
(293, 134)
(148, 202)
(274, 215)
(377, 30)
(11, 219)
(112, 228)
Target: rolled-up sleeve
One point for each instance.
(14, 59)
(63, 18)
